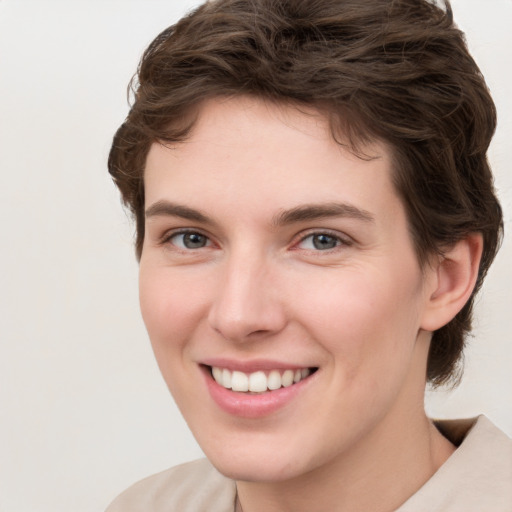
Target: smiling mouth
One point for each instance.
(259, 381)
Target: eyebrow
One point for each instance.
(166, 208)
(300, 213)
(309, 212)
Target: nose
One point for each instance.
(247, 303)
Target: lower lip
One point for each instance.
(247, 405)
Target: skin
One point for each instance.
(356, 436)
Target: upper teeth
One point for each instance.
(259, 381)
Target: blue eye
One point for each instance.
(320, 242)
(190, 240)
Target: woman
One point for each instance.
(315, 213)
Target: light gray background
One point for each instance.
(83, 409)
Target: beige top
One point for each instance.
(476, 478)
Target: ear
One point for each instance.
(451, 282)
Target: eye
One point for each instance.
(320, 242)
(189, 240)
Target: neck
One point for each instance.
(378, 474)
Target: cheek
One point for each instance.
(172, 311)
(364, 318)
(171, 307)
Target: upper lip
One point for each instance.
(248, 366)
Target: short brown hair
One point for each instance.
(397, 71)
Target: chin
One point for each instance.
(256, 470)
(259, 462)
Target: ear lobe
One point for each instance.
(454, 279)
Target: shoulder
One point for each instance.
(478, 476)
(192, 487)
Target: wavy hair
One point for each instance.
(397, 71)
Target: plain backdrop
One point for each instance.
(83, 409)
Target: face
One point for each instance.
(281, 291)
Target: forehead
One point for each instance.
(257, 154)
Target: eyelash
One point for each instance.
(339, 240)
(168, 237)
